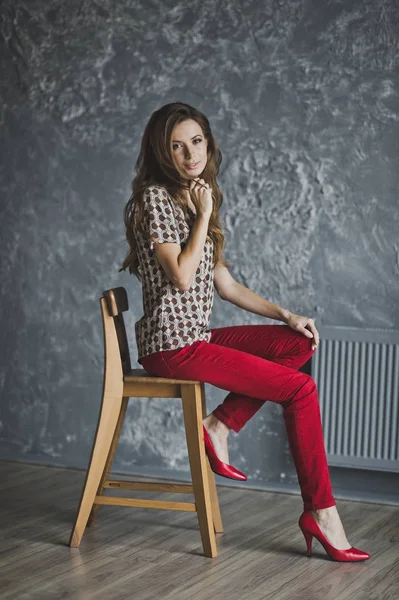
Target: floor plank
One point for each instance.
(145, 554)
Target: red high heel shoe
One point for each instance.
(217, 465)
(310, 528)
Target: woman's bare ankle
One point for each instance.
(211, 422)
(330, 523)
(325, 514)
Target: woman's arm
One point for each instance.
(181, 266)
(229, 289)
(245, 298)
(190, 258)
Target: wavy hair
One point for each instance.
(156, 165)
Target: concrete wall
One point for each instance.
(302, 97)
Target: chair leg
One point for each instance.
(217, 517)
(110, 460)
(110, 411)
(192, 410)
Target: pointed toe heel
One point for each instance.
(310, 529)
(217, 466)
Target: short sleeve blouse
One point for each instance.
(172, 318)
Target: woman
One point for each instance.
(175, 249)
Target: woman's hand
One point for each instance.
(300, 323)
(202, 193)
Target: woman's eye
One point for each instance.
(175, 146)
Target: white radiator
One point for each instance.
(357, 377)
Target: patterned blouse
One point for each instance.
(172, 318)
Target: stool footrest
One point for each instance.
(180, 488)
(142, 503)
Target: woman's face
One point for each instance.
(189, 146)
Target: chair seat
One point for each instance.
(141, 376)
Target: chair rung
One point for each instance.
(181, 488)
(148, 390)
(141, 503)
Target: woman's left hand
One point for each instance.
(300, 323)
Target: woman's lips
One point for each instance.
(192, 166)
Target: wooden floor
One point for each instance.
(140, 554)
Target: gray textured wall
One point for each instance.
(303, 100)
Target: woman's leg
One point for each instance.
(278, 343)
(250, 379)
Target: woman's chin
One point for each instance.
(194, 173)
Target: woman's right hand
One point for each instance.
(202, 196)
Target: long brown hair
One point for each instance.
(156, 165)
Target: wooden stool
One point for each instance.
(119, 384)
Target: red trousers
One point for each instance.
(258, 363)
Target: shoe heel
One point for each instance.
(309, 538)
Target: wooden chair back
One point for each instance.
(117, 303)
